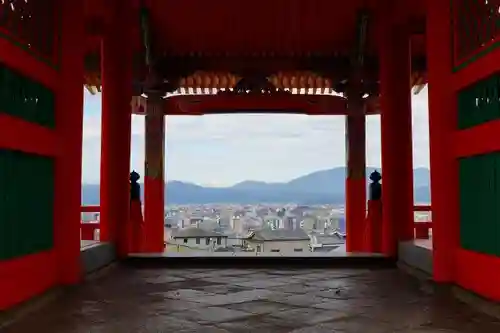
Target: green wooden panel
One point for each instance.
(467, 203)
(32, 25)
(479, 178)
(479, 103)
(26, 203)
(24, 98)
(475, 27)
(486, 230)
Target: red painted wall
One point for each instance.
(22, 278)
(25, 277)
(479, 273)
(474, 271)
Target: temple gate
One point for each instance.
(364, 58)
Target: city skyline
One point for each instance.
(222, 150)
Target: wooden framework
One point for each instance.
(197, 105)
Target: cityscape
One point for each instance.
(254, 218)
(264, 228)
(253, 229)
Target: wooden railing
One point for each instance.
(422, 229)
(89, 230)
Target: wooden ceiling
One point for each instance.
(296, 43)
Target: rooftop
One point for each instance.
(194, 233)
(278, 235)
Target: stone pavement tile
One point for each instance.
(265, 283)
(202, 274)
(330, 284)
(261, 307)
(222, 289)
(308, 316)
(258, 294)
(234, 272)
(277, 296)
(187, 284)
(343, 306)
(211, 314)
(167, 305)
(224, 279)
(461, 320)
(357, 324)
(428, 330)
(301, 300)
(172, 300)
(260, 324)
(261, 274)
(203, 329)
(237, 297)
(297, 288)
(404, 315)
(186, 295)
(234, 298)
(160, 323)
(163, 279)
(284, 272)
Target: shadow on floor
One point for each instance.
(141, 300)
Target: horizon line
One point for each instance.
(259, 181)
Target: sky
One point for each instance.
(221, 150)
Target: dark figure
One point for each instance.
(135, 188)
(375, 186)
(136, 228)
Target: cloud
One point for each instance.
(224, 149)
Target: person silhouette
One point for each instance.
(135, 188)
(136, 219)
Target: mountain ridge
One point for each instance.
(308, 189)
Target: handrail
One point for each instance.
(422, 229)
(90, 209)
(422, 208)
(89, 231)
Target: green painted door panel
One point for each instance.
(26, 203)
(479, 179)
(26, 99)
(479, 103)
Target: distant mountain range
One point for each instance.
(319, 187)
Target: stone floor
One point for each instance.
(254, 300)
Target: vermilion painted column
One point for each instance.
(355, 181)
(69, 122)
(442, 123)
(396, 131)
(154, 186)
(116, 67)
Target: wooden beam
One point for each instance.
(94, 26)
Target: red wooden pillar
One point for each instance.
(442, 123)
(355, 181)
(154, 186)
(116, 67)
(69, 122)
(396, 131)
